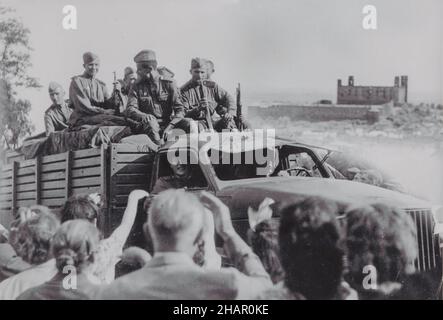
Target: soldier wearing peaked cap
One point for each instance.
(58, 114)
(153, 97)
(89, 95)
(201, 94)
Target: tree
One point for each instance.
(15, 60)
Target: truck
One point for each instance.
(238, 168)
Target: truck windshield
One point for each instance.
(280, 161)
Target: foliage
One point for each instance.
(15, 61)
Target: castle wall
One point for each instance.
(369, 95)
(315, 113)
(373, 95)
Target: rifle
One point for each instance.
(119, 102)
(240, 125)
(207, 112)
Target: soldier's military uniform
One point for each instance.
(57, 117)
(121, 95)
(220, 102)
(90, 98)
(169, 182)
(152, 101)
(194, 179)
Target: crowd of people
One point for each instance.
(312, 251)
(147, 101)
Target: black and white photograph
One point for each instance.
(249, 150)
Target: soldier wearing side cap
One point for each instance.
(128, 80)
(58, 114)
(201, 94)
(89, 95)
(153, 97)
(130, 76)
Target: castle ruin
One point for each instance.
(373, 95)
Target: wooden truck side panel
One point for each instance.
(112, 171)
(50, 180)
(130, 168)
(6, 194)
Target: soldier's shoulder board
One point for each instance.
(165, 72)
(210, 83)
(187, 85)
(49, 109)
(166, 79)
(77, 77)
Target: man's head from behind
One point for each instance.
(80, 207)
(382, 237)
(175, 222)
(32, 237)
(310, 248)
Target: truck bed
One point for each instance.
(112, 171)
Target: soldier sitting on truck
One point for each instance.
(205, 101)
(92, 103)
(152, 97)
(130, 76)
(93, 106)
(58, 114)
(125, 84)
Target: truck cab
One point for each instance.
(243, 175)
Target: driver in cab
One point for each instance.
(182, 177)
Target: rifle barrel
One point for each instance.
(240, 125)
(208, 113)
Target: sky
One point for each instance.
(292, 50)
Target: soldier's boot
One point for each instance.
(203, 126)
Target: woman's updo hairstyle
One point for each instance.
(75, 244)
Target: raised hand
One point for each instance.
(221, 213)
(137, 194)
